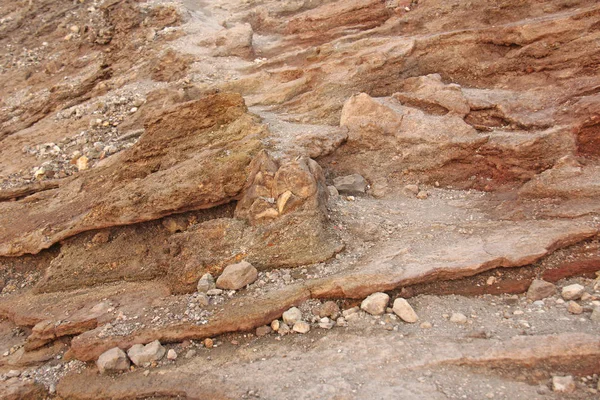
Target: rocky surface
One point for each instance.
(401, 183)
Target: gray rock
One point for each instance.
(375, 304)
(351, 184)
(572, 292)
(563, 384)
(540, 289)
(190, 353)
(141, 355)
(411, 190)
(284, 329)
(214, 292)
(111, 360)
(291, 316)
(206, 283)
(236, 276)
(301, 327)
(405, 311)
(595, 315)
(13, 373)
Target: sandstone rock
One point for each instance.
(422, 195)
(284, 329)
(350, 184)
(171, 355)
(275, 325)
(137, 191)
(376, 303)
(208, 343)
(458, 318)
(563, 384)
(301, 327)
(405, 311)
(237, 276)
(333, 192)
(574, 308)
(214, 292)
(540, 289)
(142, 355)
(291, 316)
(13, 373)
(572, 292)
(114, 359)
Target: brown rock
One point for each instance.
(167, 151)
(328, 309)
(540, 289)
(263, 330)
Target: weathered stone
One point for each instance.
(326, 323)
(328, 309)
(563, 384)
(376, 303)
(411, 190)
(235, 41)
(114, 359)
(236, 276)
(572, 292)
(595, 314)
(291, 316)
(540, 289)
(263, 330)
(458, 318)
(142, 355)
(574, 307)
(171, 355)
(301, 327)
(405, 311)
(350, 184)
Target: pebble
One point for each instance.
(284, 329)
(301, 327)
(350, 311)
(376, 303)
(263, 330)
(426, 325)
(275, 325)
(190, 353)
(341, 321)
(540, 289)
(328, 309)
(458, 318)
(142, 355)
(82, 163)
(411, 190)
(422, 195)
(114, 359)
(214, 292)
(236, 276)
(563, 384)
(171, 355)
(404, 310)
(208, 343)
(574, 308)
(572, 292)
(326, 323)
(291, 316)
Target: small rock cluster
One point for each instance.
(115, 359)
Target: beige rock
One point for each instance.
(114, 359)
(404, 310)
(376, 303)
(142, 355)
(301, 327)
(291, 316)
(574, 308)
(236, 276)
(563, 384)
(572, 292)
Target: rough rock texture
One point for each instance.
(236, 276)
(405, 311)
(540, 289)
(192, 146)
(376, 303)
(142, 355)
(113, 360)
